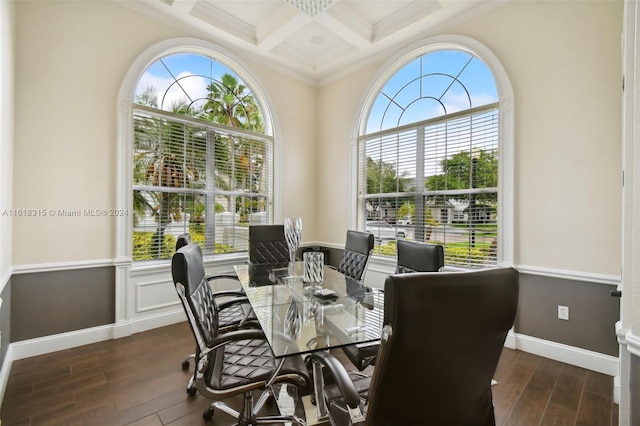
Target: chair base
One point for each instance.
(249, 414)
(191, 385)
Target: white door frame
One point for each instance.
(630, 213)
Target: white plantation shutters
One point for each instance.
(446, 169)
(191, 175)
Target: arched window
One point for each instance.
(202, 157)
(429, 157)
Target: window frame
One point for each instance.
(506, 200)
(126, 106)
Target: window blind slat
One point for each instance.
(195, 177)
(459, 198)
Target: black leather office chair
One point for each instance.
(234, 309)
(357, 252)
(267, 244)
(411, 257)
(233, 363)
(414, 256)
(354, 261)
(442, 339)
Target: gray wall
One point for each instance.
(5, 321)
(47, 303)
(592, 312)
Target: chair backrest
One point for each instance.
(267, 244)
(357, 252)
(446, 334)
(187, 269)
(183, 240)
(415, 256)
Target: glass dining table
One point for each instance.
(299, 318)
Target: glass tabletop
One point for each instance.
(297, 317)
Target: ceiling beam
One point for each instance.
(183, 7)
(283, 23)
(347, 24)
(404, 17)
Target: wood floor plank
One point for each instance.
(595, 410)
(150, 420)
(186, 407)
(530, 406)
(509, 388)
(569, 387)
(598, 383)
(74, 413)
(507, 358)
(557, 415)
(546, 373)
(614, 414)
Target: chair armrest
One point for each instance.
(222, 293)
(223, 276)
(341, 377)
(227, 303)
(230, 293)
(233, 336)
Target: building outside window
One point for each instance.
(202, 159)
(428, 159)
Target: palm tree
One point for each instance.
(168, 154)
(161, 150)
(232, 104)
(239, 161)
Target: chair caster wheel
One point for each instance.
(192, 391)
(208, 414)
(185, 365)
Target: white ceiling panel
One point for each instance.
(314, 40)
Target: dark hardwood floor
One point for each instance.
(137, 380)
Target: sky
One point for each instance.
(407, 98)
(419, 90)
(193, 72)
(430, 86)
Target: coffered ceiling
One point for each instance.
(313, 40)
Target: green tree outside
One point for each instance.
(174, 155)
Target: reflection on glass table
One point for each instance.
(298, 320)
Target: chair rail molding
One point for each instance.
(613, 280)
(632, 341)
(65, 266)
(4, 278)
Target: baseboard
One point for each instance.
(510, 341)
(595, 361)
(126, 328)
(72, 339)
(6, 370)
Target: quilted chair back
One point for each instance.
(446, 335)
(418, 257)
(267, 244)
(183, 240)
(356, 254)
(187, 269)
